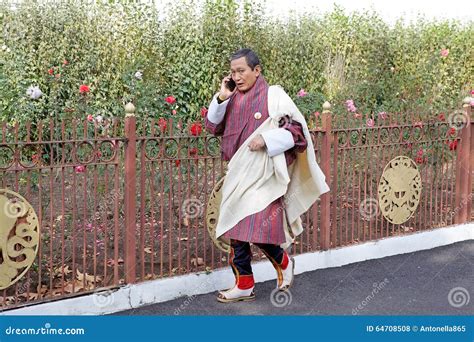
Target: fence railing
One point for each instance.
(122, 202)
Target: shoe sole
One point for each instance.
(234, 300)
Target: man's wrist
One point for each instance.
(220, 99)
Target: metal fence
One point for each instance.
(121, 203)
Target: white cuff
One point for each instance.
(216, 110)
(278, 140)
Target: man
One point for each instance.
(256, 187)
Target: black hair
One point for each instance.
(250, 57)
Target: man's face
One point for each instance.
(243, 75)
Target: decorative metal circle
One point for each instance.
(399, 190)
(212, 216)
(171, 148)
(213, 146)
(106, 151)
(406, 133)
(342, 138)
(84, 152)
(354, 137)
(384, 136)
(395, 135)
(417, 133)
(29, 155)
(7, 157)
(19, 237)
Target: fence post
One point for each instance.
(463, 169)
(326, 168)
(130, 194)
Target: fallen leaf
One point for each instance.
(197, 262)
(88, 278)
(111, 262)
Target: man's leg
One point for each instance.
(284, 265)
(240, 260)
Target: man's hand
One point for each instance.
(257, 143)
(225, 92)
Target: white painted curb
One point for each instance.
(162, 290)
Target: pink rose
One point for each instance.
(350, 106)
(444, 52)
(80, 169)
(370, 122)
(301, 93)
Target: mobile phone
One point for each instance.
(230, 84)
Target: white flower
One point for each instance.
(138, 75)
(4, 47)
(34, 92)
(99, 118)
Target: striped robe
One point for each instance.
(239, 123)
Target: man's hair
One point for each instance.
(250, 57)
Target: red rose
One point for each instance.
(204, 112)
(196, 129)
(177, 162)
(441, 117)
(193, 151)
(452, 131)
(162, 123)
(170, 99)
(453, 145)
(83, 89)
(51, 71)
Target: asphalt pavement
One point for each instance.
(439, 281)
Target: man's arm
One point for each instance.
(214, 121)
(288, 137)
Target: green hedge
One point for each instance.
(182, 50)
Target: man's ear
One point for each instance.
(258, 69)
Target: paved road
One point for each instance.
(416, 283)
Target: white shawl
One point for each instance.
(254, 179)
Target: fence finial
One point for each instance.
(467, 101)
(326, 107)
(129, 109)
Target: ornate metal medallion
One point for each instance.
(212, 215)
(399, 190)
(19, 237)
